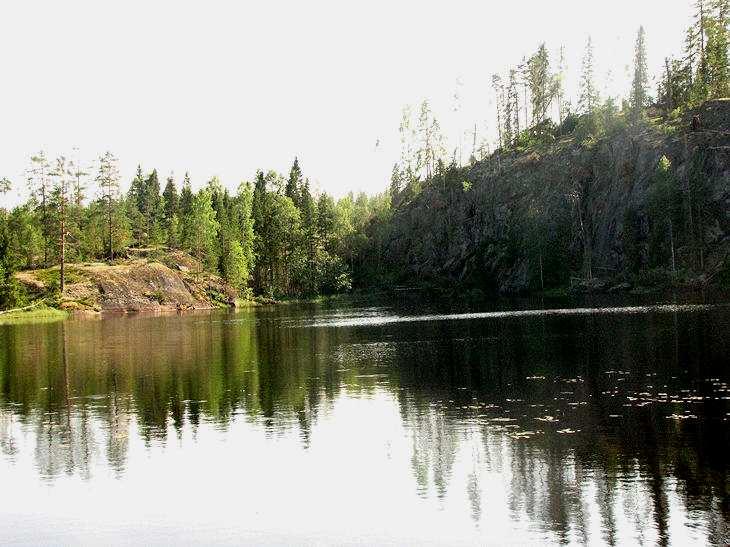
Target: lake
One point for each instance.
(361, 423)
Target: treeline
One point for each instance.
(273, 237)
(532, 103)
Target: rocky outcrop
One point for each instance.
(557, 211)
(136, 285)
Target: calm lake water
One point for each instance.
(362, 424)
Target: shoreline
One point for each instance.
(39, 312)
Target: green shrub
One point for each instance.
(537, 135)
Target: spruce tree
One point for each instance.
(513, 102)
(136, 202)
(309, 240)
(151, 208)
(171, 199)
(186, 207)
(171, 205)
(294, 183)
(639, 95)
(260, 214)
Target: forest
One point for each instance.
(275, 237)
(272, 237)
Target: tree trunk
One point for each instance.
(111, 244)
(63, 240)
(671, 242)
(44, 214)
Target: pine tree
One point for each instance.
(395, 185)
(718, 77)
(540, 84)
(513, 103)
(108, 181)
(40, 188)
(498, 87)
(430, 141)
(588, 100)
(76, 203)
(559, 85)
(62, 176)
(79, 186)
(697, 41)
(523, 69)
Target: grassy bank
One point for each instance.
(39, 314)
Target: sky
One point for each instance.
(225, 88)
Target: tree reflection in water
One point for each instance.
(568, 414)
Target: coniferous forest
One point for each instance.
(276, 237)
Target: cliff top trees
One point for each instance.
(639, 86)
(498, 87)
(588, 98)
(716, 51)
(540, 83)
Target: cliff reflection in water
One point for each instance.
(578, 426)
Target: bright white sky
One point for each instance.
(224, 88)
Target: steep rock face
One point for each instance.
(561, 210)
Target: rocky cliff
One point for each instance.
(572, 209)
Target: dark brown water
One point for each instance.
(319, 424)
